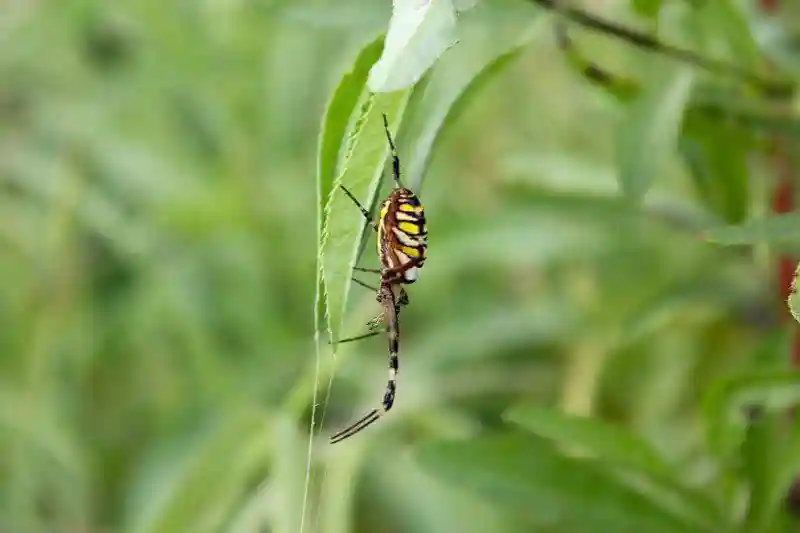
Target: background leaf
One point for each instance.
(728, 405)
(531, 479)
(772, 229)
(419, 32)
(649, 133)
(589, 436)
(716, 156)
(647, 8)
(492, 38)
(157, 166)
(209, 481)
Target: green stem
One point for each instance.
(582, 377)
(769, 87)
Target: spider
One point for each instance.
(402, 240)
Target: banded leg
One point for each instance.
(395, 159)
(390, 313)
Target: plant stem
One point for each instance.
(770, 87)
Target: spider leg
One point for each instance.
(367, 216)
(392, 275)
(393, 328)
(395, 275)
(370, 270)
(395, 159)
(402, 298)
(366, 286)
(359, 337)
(374, 323)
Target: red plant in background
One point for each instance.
(783, 202)
(768, 5)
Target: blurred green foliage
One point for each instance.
(571, 360)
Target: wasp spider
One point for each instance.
(402, 239)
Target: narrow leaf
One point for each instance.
(528, 477)
(337, 114)
(484, 51)
(332, 135)
(649, 134)
(773, 229)
(592, 437)
(716, 156)
(615, 447)
(763, 452)
(360, 171)
(647, 8)
(725, 19)
(201, 488)
(419, 32)
(727, 405)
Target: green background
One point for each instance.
(159, 255)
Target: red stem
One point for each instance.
(783, 202)
(769, 6)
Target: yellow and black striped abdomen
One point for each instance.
(403, 233)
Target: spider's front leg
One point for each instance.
(364, 212)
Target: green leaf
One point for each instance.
(360, 171)
(421, 503)
(447, 111)
(491, 38)
(773, 229)
(461, 6)
(616, 447)
(419, 32)
(199, 491)
(332, 134)
(337, 114)
(338, 489)
(648, 135)
(724, 18)
(591, 437)
(727, 404)
(529, 478)
(646, 8)
(764, 451)
(286, 477)
(716, 154)
(622, 88)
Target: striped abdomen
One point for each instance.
(403, 234)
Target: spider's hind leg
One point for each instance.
(359, 337)
(365, 285)
(370, 270)
(374, 324)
